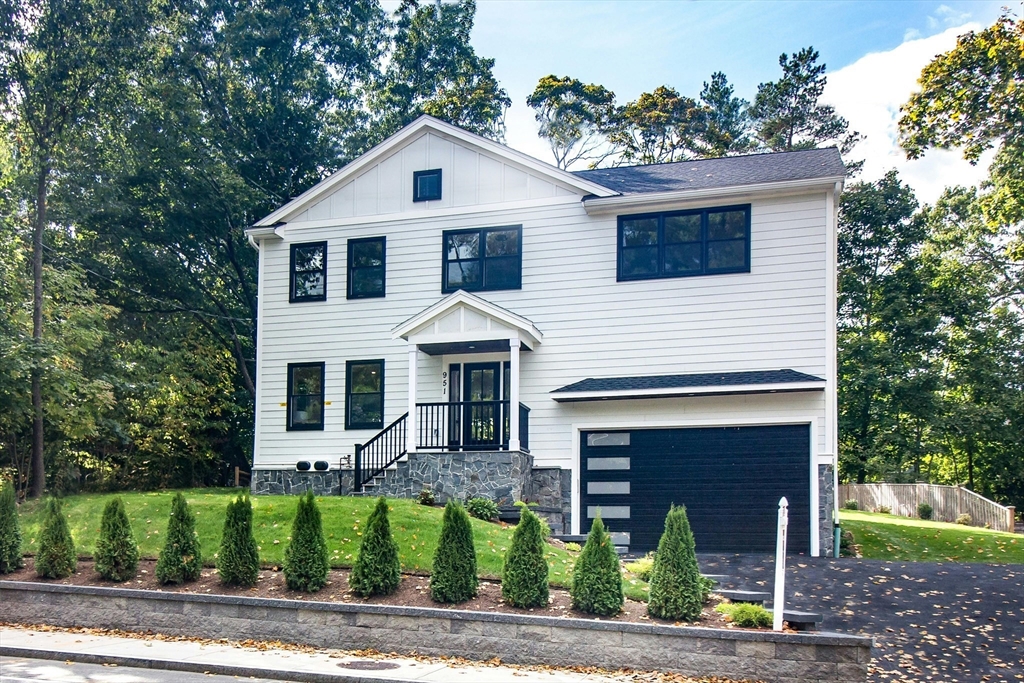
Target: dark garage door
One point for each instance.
(729, 478)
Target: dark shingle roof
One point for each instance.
(693, 381)
(725, 172)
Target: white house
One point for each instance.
(617, 339)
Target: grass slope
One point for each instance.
(885, 537)
(416, 528)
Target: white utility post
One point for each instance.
(513, 395)
(779, 601)
(410, 434)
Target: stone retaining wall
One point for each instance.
(826, 509)
(763, 655)
(293, 482)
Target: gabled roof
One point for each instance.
(696, 384)
(513, 325)
(411, 132)
(752, 169)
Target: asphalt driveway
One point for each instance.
(930, 621)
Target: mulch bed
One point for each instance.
(414, 591)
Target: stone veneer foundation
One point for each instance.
(522, 639)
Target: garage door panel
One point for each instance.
(729, 479)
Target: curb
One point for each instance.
(193, 667)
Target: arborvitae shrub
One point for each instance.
(377, 570)
(181, 559)
(10, 530)
(454, 572)
(238, 562)
(117, 554)
(596, 578)
(677, 589)
(306, 561)
(524, 578)
(924, 511)
(56, 558)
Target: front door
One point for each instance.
(481, 389)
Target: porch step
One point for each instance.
(757, 597)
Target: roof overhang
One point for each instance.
(465, 323)
(682, 386)
(652, 201)
(444, 130)
(627, 394)
(256, 235)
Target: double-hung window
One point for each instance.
(681, 243)
(364, 394)
(366, 267)
(305, 396)
(483, 259)
(308, 272)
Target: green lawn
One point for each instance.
(885, 537)
(415, 527)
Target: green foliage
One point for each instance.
(642, 567)
(56, 558)
(181, 558)
(453, 578)
(573, 547)
(851, 504)
(571, 115)
(117, 554)
(787, 114)
(924, 510)
(964, 519)
(10, 529)
(745, 614)
(597, 577)
(426, 497)
(677, 589)
(482, 508)
(306, 560)
(524, 578)
(377, 570)
(884, 510)
(238, 562)
(659, 127)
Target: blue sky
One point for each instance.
(633, 47)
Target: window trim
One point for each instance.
(292, 298)
(661, 215)
(416, 175)
(482, 232)
(323, 406)
(383, 267)
(348, 395)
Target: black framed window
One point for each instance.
(364, 394)
(308, 272)
(305, 396)
(366, 267)
(426, 185)
(482, 259)
(682, 243)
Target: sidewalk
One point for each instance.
(323, 666)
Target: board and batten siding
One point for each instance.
(773, 317)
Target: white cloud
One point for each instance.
(869, 94)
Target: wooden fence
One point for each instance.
(948, 502)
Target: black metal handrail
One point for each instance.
(380, 452)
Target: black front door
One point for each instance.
(482, 416)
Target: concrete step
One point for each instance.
(802, 621)
(757, 597)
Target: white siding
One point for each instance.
(771, 318)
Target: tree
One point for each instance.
(597, 577)
(432, 69)
(788, 115)
(117, 554)
(571, 115)
(377, 570)
(10, 530)
(659, 127)
(181, 558)
(306, 560)
(56, 558)
(453, 576)
(677, 588)
(63, 64)
(524, 577)
(971, 97)
(726, 128)
(238, 562)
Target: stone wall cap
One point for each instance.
(820, 638)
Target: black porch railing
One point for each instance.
(460, 426)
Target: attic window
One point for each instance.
(426, 185)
